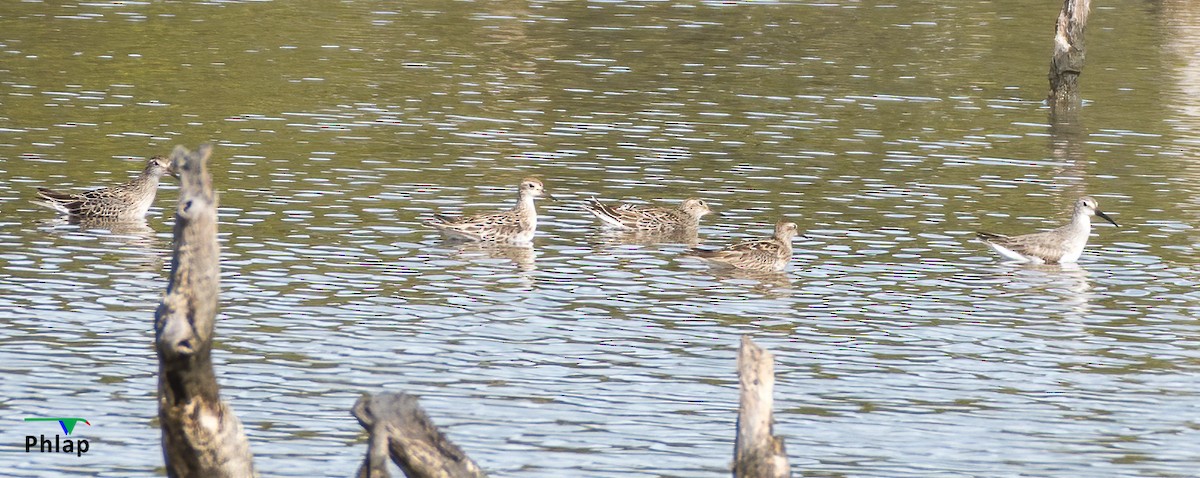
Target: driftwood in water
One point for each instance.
(758, 453)
(202, 438)
(201, 435)
(1067, 61)
(401, 429)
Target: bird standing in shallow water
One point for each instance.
(635, 218)
(516, 225)
(763, 254)
(124, 201)
(1061, 245)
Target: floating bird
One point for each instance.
(1062, 245)
(762, 255)
(635, 218)
(516, 225)
(124, 201)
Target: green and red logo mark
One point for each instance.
(59, 444)
(67, 423)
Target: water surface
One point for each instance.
(889, 132)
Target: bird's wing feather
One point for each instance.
(1039, 245)
(750, 254)
(612, 216)
(53, 195)
(481, 226)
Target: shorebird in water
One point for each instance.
(1061, 245)
(770, 254)
(644, 218)
(516, 225)
(124, 201)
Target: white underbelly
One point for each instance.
(1013, 255)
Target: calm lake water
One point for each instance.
(890, 131)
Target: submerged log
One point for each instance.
(1066, 64)
(401, 429)
(758, 453)
(201, 436)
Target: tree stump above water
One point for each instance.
(400, 428)
(202, 437)
(1066, 64)
(758, 453)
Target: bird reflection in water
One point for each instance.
(687, 236)
(1070, 277)
(521, 256)
(136, 242)
(769, 283)
(1068, 281)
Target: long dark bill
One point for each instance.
(1106, 218)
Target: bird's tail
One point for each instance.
(594, 206)
(53, 200)
(988, 237)
(604, 213)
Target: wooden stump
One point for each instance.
(1066, 64)
(201, 436)
(758, 453)
(401, 429)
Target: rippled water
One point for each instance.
(889, 132)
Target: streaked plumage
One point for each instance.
(641, 218)
(763, 254)
(124, 201)
(516, 225)
(1061, 245)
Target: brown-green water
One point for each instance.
(888, 131)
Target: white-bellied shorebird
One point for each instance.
(770, 254)
(124, 201)
(1056, 246)
(516, 225)
(645, 218)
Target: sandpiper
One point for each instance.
(1061, 245)
(762, 255)
(516, 225)
(635, 218)
(124, 201)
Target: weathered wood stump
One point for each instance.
(401, 429)
(1066, 64)
(201, 436)
(758, 453)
